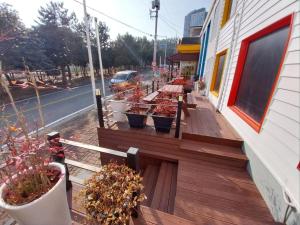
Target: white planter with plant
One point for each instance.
(49, 209)
(118, 106)
(33, 190)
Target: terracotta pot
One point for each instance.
(50, 209)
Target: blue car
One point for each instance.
(125, 78)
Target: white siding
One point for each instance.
(277, 144)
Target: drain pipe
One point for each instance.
(236, 31)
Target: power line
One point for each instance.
(170, 22)
(166, 22)
(117, 20)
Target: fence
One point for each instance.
(105, 113)
(54, 139)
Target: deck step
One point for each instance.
(155, 217)
(212, 139)
(149, 181)
(226, 155)
(165, 189)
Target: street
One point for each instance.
(58, 104)
(55, 105)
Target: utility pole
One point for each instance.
(88, 40)
(159, 61)
(100, 56)
(155, 8)
(165, 58)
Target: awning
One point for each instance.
(176, 58)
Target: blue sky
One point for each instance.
(133, 12)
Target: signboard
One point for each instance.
(188, 68)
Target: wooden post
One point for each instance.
(147, 89)
(152, 86)
(99, 108)
(157, 85)
(59, 156)
(133, 161)
(178, 117)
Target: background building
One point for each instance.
(269, 127)
(193, 22)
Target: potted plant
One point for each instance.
(33, 189)
(163, 115)
(112, 195)
(137, 114)
(179, 81)
(118, 105)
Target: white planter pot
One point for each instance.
(119, 108)
(50, 209)
(202, 92)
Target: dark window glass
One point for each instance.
(259, 73)
(219, 74)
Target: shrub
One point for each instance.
(110, 196)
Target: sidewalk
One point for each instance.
(83, 129)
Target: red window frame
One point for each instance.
(286, 21)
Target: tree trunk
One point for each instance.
(84, 71)
(69, 74)
(63, 74)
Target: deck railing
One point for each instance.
(54, 139)
(104, 113)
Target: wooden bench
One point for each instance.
(147, 144)
(191, 101)
(151, 97)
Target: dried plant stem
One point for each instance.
(39, 105)
(19, 114)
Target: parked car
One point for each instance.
(123, 79)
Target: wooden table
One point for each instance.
(172, 88)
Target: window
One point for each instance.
(218, 73)
(257, 71)
(227, 11)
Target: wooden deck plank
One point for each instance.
(165, 190)
(225, 151)
(218, 195)
(148, 216)
(173, 190)
(149, 181)
(215, 153)
(157, 196)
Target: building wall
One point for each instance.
(194, 19)
(274, 151)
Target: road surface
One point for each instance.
(55, 105)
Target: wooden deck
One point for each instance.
(208, 194)
(200, 178)
(204, 123)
